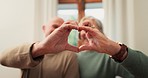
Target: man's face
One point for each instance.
(55, 23)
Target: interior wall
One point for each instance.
(141, 25)
(127, 22)
(19, 21)
(16, 26)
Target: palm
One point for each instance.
(57, 41)
(95, 41)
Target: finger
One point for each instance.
(87, 29)
(72, 48)
(70, 26)
(88, 36)
(84, 47)
(92, 32)
(67, 27)
(91, 39)
(72, 22)
(67, 22)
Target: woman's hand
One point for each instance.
(98, 42)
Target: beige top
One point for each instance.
(60, 65)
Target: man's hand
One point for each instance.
(57, 41)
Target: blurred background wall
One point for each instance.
(17, 21)
(21, 20)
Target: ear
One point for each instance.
(44, 28)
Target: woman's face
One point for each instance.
(88, 23)
(82, 34)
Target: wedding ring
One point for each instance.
(93, 27)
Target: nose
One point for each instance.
(82, 35)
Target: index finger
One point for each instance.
(87, 29)
(70, 26)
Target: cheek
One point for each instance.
(49, 31)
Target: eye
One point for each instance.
(55, 26)
(87, 24)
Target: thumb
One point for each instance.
(72, 48)
(84, 47)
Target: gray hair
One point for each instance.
(97, 21)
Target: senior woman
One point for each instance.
(101, 57)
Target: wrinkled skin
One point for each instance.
(56, 33)
(92, 39)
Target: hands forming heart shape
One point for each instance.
(57, 41)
